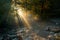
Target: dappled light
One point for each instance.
(24, 17)
(29, 20)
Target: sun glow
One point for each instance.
(23, 16)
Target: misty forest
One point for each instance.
(29, 19)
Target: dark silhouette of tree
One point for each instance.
(5, 6)
(45, 8)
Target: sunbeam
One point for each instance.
(23, 16)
